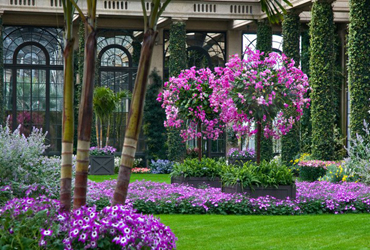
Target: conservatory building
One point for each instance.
(31, 49)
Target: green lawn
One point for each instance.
(148, 177)
(213, 232)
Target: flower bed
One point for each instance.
(28, 223)
(312, 198)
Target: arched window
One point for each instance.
(250, 40)
(33, 80)
(204, 49)
(117, 61)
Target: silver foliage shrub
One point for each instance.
(22, 163)
(359, 155)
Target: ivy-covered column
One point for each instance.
(2, 110)
(359, 64)
(306, 124)
(322, 66)
(264, 43)
(290, 143)
(136, 54)
(177, 62)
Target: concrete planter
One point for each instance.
(197, 181)
(282, 192)
(101, 164)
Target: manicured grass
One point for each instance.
(350, 231)
(148, 177)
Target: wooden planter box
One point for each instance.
(197, 181)
(101, 164)
(282, 192)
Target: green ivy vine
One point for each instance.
(322, 67)
(264, 43)
(306, 124)
(153, 120)
(290, 143)
(136, 53)
(264, 36)
(358, 64)
(177, 48)
(177, 62)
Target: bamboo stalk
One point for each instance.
(135, 118)
(85, 116)
(101, 135)
(97, 130)
(68, 116)
(107, 136)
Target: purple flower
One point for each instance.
(46, 232)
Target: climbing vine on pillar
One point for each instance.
(290, 143)
(322, 66)
(358, 64)
(306, 124)
(264, 44)
(177, 62)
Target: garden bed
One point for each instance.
(281, 192)
(197, 182)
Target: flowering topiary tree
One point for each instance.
(186, 99)
(258, 90)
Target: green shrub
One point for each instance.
(207, 167)
(309, 173)
(339, 173)
(22, 163)
(154, 116)
(358, 160)
(266, 174)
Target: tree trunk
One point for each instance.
(107, 138)
(101, 134)
(67, 127)
(199, 140)
(97, 130)
(85, 118)
(259, 137)
(135, 118)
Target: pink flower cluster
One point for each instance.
(141, 170)
(245, 92)
(318, 163)
(260, 89)
(186, 98)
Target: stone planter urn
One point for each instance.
(101, 164)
